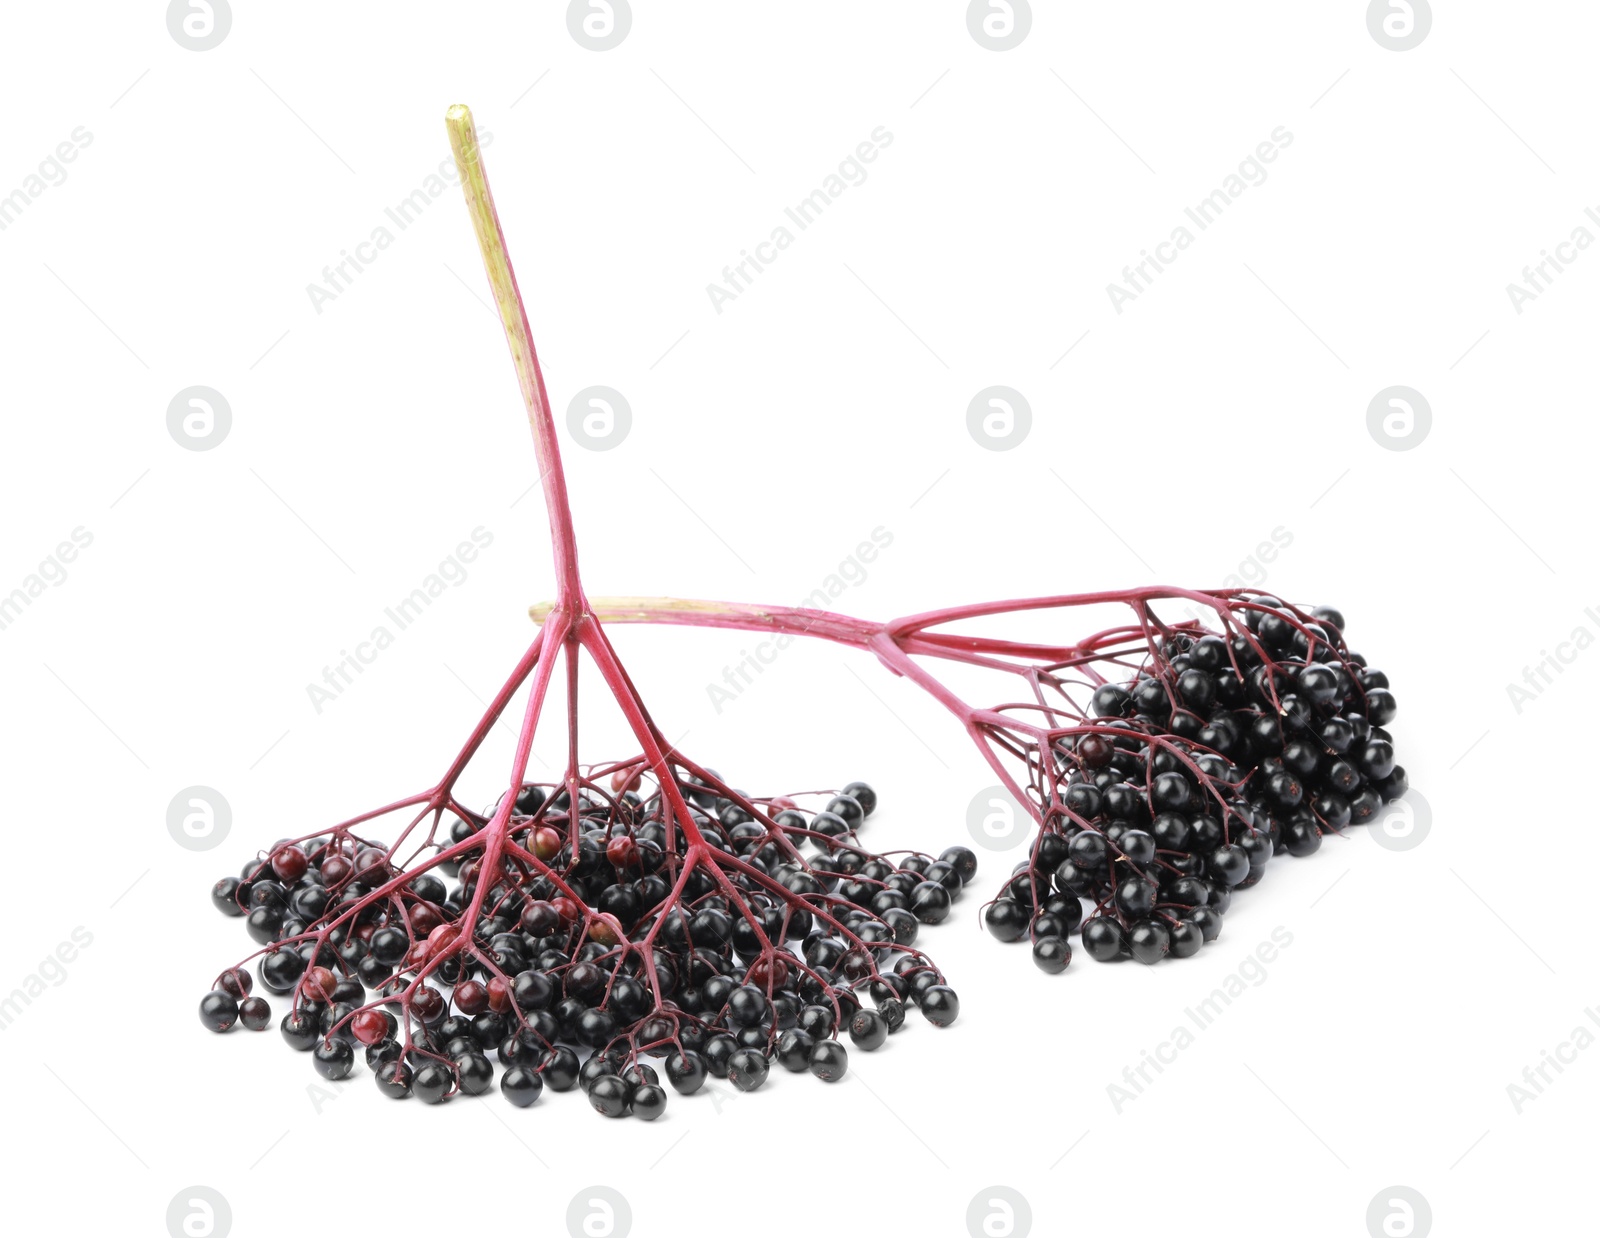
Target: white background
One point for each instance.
(367, 440)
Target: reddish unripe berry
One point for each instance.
(603, 933)
(499, 995)
(372, 866)
(565, 908)
(469, 873)
(622, 851)
(1094, 750)
(369, 1027)
(626, 779)
(290, 864)
(336, 868)
(769, 971)
(419, 953)
(319, 984)
(471, 997)
(546, 842)
(441, 939)
(235, 982)
(424, 920)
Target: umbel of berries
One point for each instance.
(1165, 760)
(1182, 781)
(624, 928)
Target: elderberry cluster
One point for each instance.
(1183, 782)
(758, 954)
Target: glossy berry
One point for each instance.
(521, 1085)
(747, 1069)
(224, 897)
(432, 1082)
(849, 809)
(1207, 921)
(718, 1050)
(1301, 837)
(560, 1069)
(333, 1058)
(1051, 954)
(301, 1029)
(1103, 939)
(1006, 919)
(1136, 896)
(930, 902)
(686, 1071)
(218, 1011)
(369, 1027)
(940, 1005)
(281, 970)
(289, 864)
(868, 1029)
(963, 859)
(863, 795)
(1148, 941)
(474, 1073)
(1229, 865)
(829, 1061)
(393, 1079)
(649, 1102)
(747, 1005)
(609, 1096)
(255, 1013)
(264, 924)
(1186, 938)
(793, 1050)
